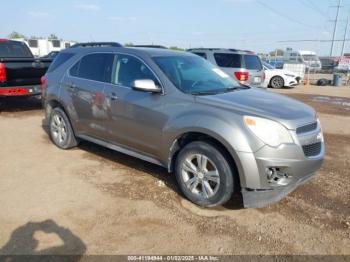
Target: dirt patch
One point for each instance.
(326, 104)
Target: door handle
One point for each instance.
(72, 86)
(113, 96)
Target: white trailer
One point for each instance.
(42, 47)
(308, 58)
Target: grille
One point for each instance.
(312, 149)
(307, 128)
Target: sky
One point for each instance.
(257, 25)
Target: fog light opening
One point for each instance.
(276, 177)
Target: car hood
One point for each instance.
(257, 102)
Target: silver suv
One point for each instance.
(179, 111)
(243, 65)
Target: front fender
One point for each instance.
(230, 132)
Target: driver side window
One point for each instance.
(127, 69)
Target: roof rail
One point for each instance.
(97, 44)
(150, 46)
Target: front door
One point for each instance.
(135, 118)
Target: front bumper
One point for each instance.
(31, 90)
(293, 163)
(264, 197)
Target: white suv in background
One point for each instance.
(245, 66)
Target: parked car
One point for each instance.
(179, 111)
(279, 78)
(20, 72)
(51, 55)
(245, 66)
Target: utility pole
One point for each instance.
(335, 25)
(345, 35)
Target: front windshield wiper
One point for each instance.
(206, 93)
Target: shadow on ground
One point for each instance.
(156, 171)
(19, 104)
(22, 245)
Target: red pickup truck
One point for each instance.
(20, 71)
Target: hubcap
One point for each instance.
(58, 129)
(200, 175)
(277, 82)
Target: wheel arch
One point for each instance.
(200, 135)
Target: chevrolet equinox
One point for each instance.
(179, 111)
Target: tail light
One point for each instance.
(43, 83)
(242, 76)
(3, 76)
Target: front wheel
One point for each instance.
(61, 132)
(277, 82)
(204, 174)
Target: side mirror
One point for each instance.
(146, 85)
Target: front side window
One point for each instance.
(127, 69)
(195, 75)
(97, 67)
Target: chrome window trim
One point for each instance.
(115, 53)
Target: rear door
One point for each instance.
(85, 85)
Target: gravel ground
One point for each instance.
(91, 200)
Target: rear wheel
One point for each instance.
(277, 82)
(61, 132)
(204, 174)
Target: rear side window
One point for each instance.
(228, 60)
(97, 67)
(204, 55)
(252, 62)
(59, 60)
(14, 50)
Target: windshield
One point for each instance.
(310, 58)
(268, 66)
(194, 75)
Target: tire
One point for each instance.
(217, 174)
(60, 130)
(277, 82)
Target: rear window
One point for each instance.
(228, 60)
(59, 60)
(204, 55)
(252, 62)
(14, 50)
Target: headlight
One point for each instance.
(270, 132)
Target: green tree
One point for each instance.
(278, 52)
(176, 48)
(129, 44)
(53, 36)
(16, 35)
